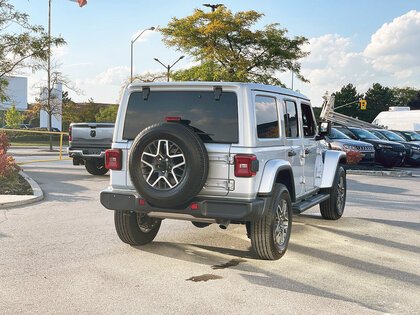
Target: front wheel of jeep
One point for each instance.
(135, 228)
(270, 235)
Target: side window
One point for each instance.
(307, 121)
(291, 119)
(267, 118)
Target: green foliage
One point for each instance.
(107, 114)
(231, 49)
(17, 47)
(88, 112)
(346, 95)
(402, 96)
(13, 117)
(378, 98)
(35, 121)
(415, 103)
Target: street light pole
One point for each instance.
(168, 67)
(132, 43)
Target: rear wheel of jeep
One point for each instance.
(96, 166)
(168, 164)
(135, 228)
(270, 235)
(333, 208)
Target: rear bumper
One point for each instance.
(87, 153)
(217, 209)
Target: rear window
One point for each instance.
(213, 120)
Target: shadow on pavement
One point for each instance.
(402, 224)
(205, 255)
(370, 239)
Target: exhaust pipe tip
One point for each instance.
(224, 224)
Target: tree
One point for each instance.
(230, 49)
(415, 103)
(402, 96)
(146, 77)
(53, 105)
(107, 114)
(22, 43)
(348, 94)
(13, 117)
(378, 98)
(89, 111)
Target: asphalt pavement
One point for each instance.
(62, 256)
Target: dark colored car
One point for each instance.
(387, 153)
(409, 136)
(339, 141)
(412, 150)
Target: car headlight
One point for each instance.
(385, 146)
(415, 148)
(349, 147)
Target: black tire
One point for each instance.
(96, 166)
(135, 228)
(333, 208)
(263, 237)
(200, 224)
(183, 141)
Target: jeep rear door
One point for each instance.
(294, 142)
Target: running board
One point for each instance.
(309, 203)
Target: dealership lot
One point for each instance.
(62, 255)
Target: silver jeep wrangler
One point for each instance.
(217, 152)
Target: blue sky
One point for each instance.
(97, 57)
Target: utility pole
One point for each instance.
(49, 72)
(168, 67)
(213, 6)
(292, 79)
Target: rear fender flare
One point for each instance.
(271, 171)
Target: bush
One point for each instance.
(8, 168)
(352, 157)
(15, 136)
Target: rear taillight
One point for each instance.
(113, 159)
(246, 165)
(69, 133)
(173, 119)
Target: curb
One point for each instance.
(381, 173)
(37, 196)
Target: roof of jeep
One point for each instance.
(251, 86)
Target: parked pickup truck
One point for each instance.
(88, 143)
(218, 152)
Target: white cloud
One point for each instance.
(391, 58)
(112, 76)
(395, 47)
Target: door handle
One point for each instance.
(291, 153)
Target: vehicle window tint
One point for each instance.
(267, 118)
(291, 119)
(307, 121)
(213, 120)
(348, 133)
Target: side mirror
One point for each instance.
(324, 129)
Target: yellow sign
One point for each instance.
(363, 104)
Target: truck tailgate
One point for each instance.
(91, 135)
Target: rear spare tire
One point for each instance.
(168, 164)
